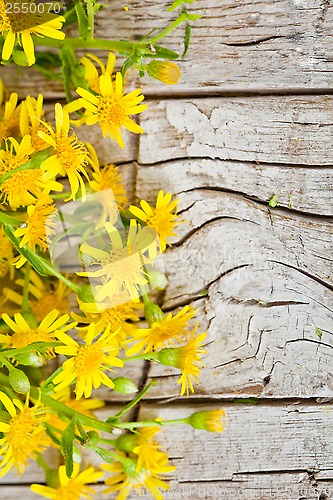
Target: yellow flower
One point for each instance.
(23, 433)
(6, 255)
(46, 296)
(162, 218)
(147, 449)
(111, 108)
(186, 359)
(116, 317)
(70, 154)
(19, 26)
(25, 335)
(9, 122)
(87, 362)
(165, 71)
(164, 332)
(91, 73)
(107, 177)
(30, 121)
(211, 421)
(72, 488)
(26, 186)
(127, 478)
(38, 227)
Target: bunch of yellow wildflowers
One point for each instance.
(77, 268)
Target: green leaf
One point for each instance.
(273, 202)
(319, 333)
(82, 20)
(67, 446)
(187, 40)
(34, 259)
(178, 3)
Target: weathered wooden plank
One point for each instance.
(289, 130)
(258, 439)
(236, 46)
(267, 275)
(304, 189)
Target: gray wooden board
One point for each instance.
(235, 46)
(270, 129)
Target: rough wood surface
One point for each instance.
(236, 46)
(269, 129)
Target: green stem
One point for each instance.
(135, 400)
(96, 43)
(149, 423)
(151, 356)
(53, 272)
(90, 19)
(36, 346)
(25, 295)
(8, 220)
(180, 19)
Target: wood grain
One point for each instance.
(288, 130)
(235, 46)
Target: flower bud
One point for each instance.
(52, 478)
(124, 385)
(30, 359)
(211, 421)
(18, 380)
(153, 313)
(86, 294)
(170, 356)
(157, 279)
(165, 71)
(127, 442)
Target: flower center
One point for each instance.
(89, 359)
(47, 303)
(71, 152)
(111, 110)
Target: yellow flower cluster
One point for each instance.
(53, 188)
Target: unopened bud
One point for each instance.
(211, 421)
(153, 313)
(30, 359)
(165, 71)
(19, 381)
(169, 356)
(124, 385)
(127, 442)
(157, 279)
(86, 294)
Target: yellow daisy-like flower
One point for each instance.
(46, 296)
(25, 335)
(70, 154)
(127, 478)
(87, 362)
(162, 218)
(211, 421)
(72, 488)
(26, 186)
(10, 117)
(31, 113)
(107, 177)
(122, 266)
(23, 433)
(91, 73)
(20, 23)
(147, 449)
(111, 108)
(164, 332)
(6, 255)
(116, 317)
(38, 227)
(187, 359)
